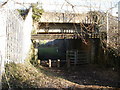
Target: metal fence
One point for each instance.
(14, 36)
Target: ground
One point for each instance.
(90, 75)
(85, 77)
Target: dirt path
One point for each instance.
(89, 75)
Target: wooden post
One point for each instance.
(92, 51)
(67, 60)
(75, 60)
(38, 62)
(50, 63)
(58, 63)
(36, 54)
(68, 63)
(36, 43)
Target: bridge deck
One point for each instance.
(50, 36)
(54, 25)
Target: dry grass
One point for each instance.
(27, 76)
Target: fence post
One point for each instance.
(36, 54)
(38, 62)
(50, 63)
(58, 63)
(36, 44)
(75, 60)
(68, 63)
(67, 59)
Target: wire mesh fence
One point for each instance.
(15, 35)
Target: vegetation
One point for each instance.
(111, 48)
(20, 76)
(23, 12)
(31, 55)
(97, 16)
(113, 58)
(37, 12)
(27, 76)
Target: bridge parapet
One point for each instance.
(57, 17)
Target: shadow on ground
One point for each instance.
(91, 75)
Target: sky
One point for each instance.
(80, 6)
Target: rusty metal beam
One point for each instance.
(53, 36)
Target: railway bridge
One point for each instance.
(54, 25)
(76, 28)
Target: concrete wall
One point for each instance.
(27, 34)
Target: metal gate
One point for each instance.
(77, 57)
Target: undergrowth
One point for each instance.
(19, 76)
(28, 76)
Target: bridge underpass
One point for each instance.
(65, 31)
(75, 41)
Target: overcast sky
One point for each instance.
(79, 5)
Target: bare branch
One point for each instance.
(4, 3)
(69, 3)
